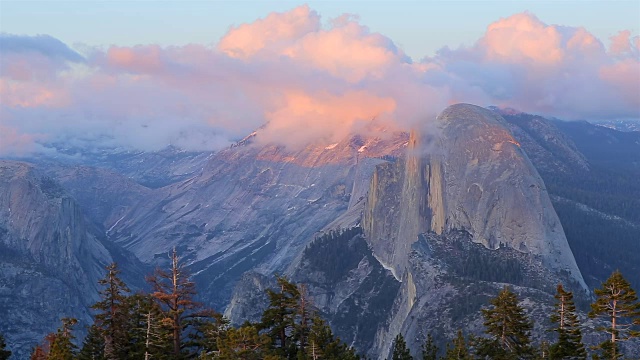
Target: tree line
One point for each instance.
(508, 329)
(167, 323)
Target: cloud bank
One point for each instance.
(303, 81)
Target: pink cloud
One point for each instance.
(15, 143)
(309, 82)
(621, 43)
(522, 37)
(546, 69)
(139, 59)
(624, 76)
(322, 117)
(272, 32)
(32, 94)
(347, 51)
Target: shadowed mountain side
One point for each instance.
(591, 174)
(51, 257)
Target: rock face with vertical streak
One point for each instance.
(475, 188)
(479, 181)
(397, 207)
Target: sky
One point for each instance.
(419, 27)
(201, 74)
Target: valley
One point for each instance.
(377, 226)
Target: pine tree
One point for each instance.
(38, 353)
(4, 352)
(569, 344)
(150, 338)
(243, 343)
(206, 329)
(62, 346)
(618, 303)
(112, 316)
(429, 349)
(279, 318)
(400, 350)
(324, 345)
(543, 352)
(93, 345)
(174, 291)
(508, 327)
(459, 349)
(41, 351)
(304, 316)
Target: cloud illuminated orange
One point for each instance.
(302, 81)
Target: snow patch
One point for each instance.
(116, 223)
(362, 148)
(331, 146)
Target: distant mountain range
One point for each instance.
(393, 232)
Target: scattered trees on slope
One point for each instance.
(400, 351)
(170, 324)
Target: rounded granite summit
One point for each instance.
(492, 190)
(468, 114)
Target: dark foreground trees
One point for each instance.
(294, 328)
(567, 326)
(174, 292)
(508, 328)
(169, 324)
(618, 304)
(400, 350)
(4, 352)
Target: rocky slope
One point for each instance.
(103, 194)
(50, 257)
(427, 207)
(598, 204)
(479, 182)
(446, 226)
(253, 207)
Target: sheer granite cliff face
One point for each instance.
(469, 196)
(50, 257)
(397, 207)
(479, 180)
(493, 190)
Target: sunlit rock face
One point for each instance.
(493, 191)
(254, 207)
(470, 184)
(463, 189)
(477, 179)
